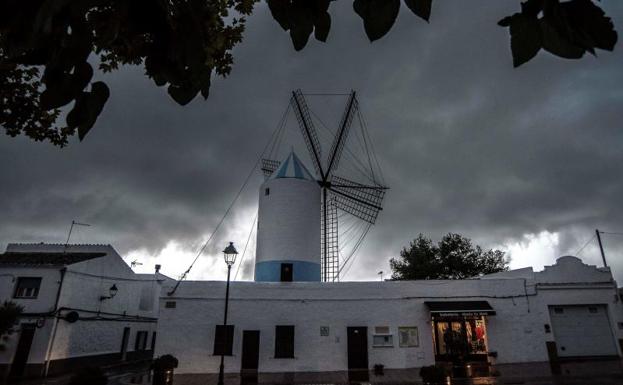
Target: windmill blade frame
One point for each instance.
(362, 201)
(269, 166)
(337, 148)
(310, 135)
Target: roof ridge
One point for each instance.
(58, 244)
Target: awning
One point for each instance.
(460, 308)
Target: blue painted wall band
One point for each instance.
(270, 271)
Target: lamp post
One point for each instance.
(230, 254)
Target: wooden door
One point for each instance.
(23, 350)
(357, 347)
(250, 350)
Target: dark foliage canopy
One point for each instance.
(454, 257)
(9, 315)
(48, 47)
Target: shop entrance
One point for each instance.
(460, 339)
(460, 330)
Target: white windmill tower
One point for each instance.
(288, 228)
(297, 234)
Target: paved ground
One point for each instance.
(583, 373)
(592, 373)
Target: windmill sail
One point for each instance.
(308, 130)
(362, 201)
(269, 166)
(338, 143)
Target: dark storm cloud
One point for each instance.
(468, 144)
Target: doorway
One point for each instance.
(124, 343)
(250, 350)
(357, 347)
(23, 350)
(286, 272)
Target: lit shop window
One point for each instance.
(382, 337)
(459, 337)
(27, 287)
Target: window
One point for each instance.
(223, 340)
(141, 340)
(382, 337)
(266, 191)
(592, 309)
(170, 304)
(286, 272)
(408, 337)
(27, 287)
(284, 341)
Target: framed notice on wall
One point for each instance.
(408, 337)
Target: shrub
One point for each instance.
(165, 362)
(433, 374)
(88, 376)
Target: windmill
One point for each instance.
(361, 200)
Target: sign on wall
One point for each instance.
(408, 337)
(324, 331)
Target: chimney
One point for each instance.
(158, 268)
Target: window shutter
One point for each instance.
(223, 340)
(284, 341)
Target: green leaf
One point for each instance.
(557, 44)
(62, 88)
(322, 25)
(87, 108)
(526, 38)
(421, 8)
(182, 94)
(378, 16)
(301, 25)
(589, 25)
(280, 11)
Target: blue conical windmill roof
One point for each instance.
(292, 167)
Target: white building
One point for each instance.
(302, 329)
(287, 325)
(83, 305)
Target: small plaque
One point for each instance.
(324, 331)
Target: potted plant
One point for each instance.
(163, 369)
(433, 375)
(88, 375)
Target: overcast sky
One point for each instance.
(528, 160)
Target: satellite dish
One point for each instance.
(72, 317)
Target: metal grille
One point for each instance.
(357, 199)
(330, 262)
(307, 127)
(269, 166)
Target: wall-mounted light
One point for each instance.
(111, 293)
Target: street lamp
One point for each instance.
(230, 255)
(112, 292)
